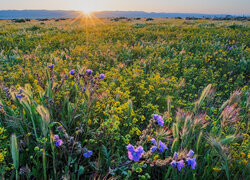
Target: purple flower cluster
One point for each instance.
(180, 164)
(161, 146)
(72, 72)
(102, 76)
(88, 153)
(58, 141)
(134, 154)
(19, 96)
(51, 65)
(159, 119)
(89, 71)
(191, 161)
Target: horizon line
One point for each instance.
(125, 11)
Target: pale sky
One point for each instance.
(186, 6)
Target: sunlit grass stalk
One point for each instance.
(203, 96)
(199, 141)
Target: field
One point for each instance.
(124, 99)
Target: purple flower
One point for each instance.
(162, 146)
(191, 162)
(89, 71)
(153, 148)
(51, 65)
(19, 96)
(56, 137)
(155, 116)
(153, 141)
(175, 155)
(72, 72)
(190, 153)
(180, 164)
(102, 76)
(159, 119)
(134, 154)
(88, 154)
(59, 142)
(60, 128)
(173, 163)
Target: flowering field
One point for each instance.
(102, 99)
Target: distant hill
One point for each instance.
(36, 14)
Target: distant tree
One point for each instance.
(149, 19)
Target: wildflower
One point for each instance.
(88, 154)
(1, 157)
(191, 162)
(173, 163)
(138, 170)
(216, 169)
(153, 148)
(51, 65)
(59, 128)
(51, 101)
(72, 72)
(190, 153)
(180, 164)
(155, 116)
(89, 71)
(175, 155)
(19, 96)
(134, 154)
(59, 142)
(159, 119)
(153, 141)
(101, 76)
(56, 137)
(162, 146)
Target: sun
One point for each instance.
(87, 11)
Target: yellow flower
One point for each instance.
(243, 154)
(134, 121)
(138, 132)
(117, 104)
(156, 156)
(89, 122)
(8, 103)
(245, 161)
(1, 157)
(138, 170)
(216, 169)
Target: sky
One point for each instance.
(235, 7)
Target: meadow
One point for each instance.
(124, 99)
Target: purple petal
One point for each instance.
(153, 148)
(153, 141)
(190, 153)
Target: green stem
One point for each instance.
(17, 175)
(44, 165)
